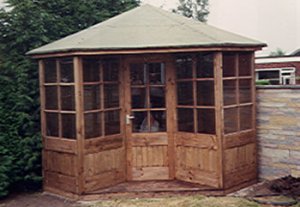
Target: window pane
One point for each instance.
(246, 117)
(92, 97)
(66, 70)
(138, 74)
(157, 97)
(229, 66)
(91, 70)
(111, 95)
(68, 126)
(184, 68)
(140, 122)
(185, 93)
(272, 75)
(52, 124)
(138, 98)
(67, 98)
(205, 65)
(185, 119)
(206, 121)
(50, 71)
(205, 93)
(111, 70)
(51, 97)
(158, 121)
(156, 73)
(229, 92)
(230, 120)
(112, 122)
(92, 125)
(245, 90)
(245, 64)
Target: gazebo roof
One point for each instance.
(146, 27)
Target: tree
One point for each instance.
(196, 9)
(277, 52)
(28, 24)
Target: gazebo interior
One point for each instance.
(183, 114)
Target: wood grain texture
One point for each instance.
(150, 173)
(61, 182)
(60, 145)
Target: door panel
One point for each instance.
(147, 128)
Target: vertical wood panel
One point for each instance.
(79, 122)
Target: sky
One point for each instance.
(275, 22)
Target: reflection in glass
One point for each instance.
(139, 122)
(91, 97)
(111, 95)
(205, 93)
(245, 90)
(156, 73)
(52, 124)
(158, 121)
(229, 92)
(66, 70)
(68, 126)
(229, 66)
(185, 93)
(245, 61)
(245, 117)
(205, 65)
(112, 122)
(50, 71)
(137, 74)
(184, 68)
(230, 120)
(92, 125)
(67, 98)
(206, 121)
(110, 70)
(51, 97)
(157, 97)
(185, 120)
(91, 70)
(138, 98)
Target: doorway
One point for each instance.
(147, 119)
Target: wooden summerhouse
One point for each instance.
(147, 96)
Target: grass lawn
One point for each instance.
(184, 201)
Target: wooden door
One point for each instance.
(147, 128)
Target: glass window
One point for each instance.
(205, 65)
(245, 63)
(51, 99)
(92, 123)
(205, 93)
(230, 120)
(229, 92)
(229, 64)
(68, 126)
(91, 70)
(246, 117)
(157, 97)
(185, 119)
(206, 121)
(52, 124)
(67, 98)
(138, 74)
(140, 122)
(50, 71)
(66, 70)
(112, 122)
(111, 95)
(158, 121)
(138, 98)
(185, 93)
(110, 70)
(184, 68)
(156, 73)
(245, 90)
(92, 97)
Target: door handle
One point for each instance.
(128, 118)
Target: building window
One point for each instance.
(195, 93)
(276, 76)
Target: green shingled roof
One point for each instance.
(146, 27)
